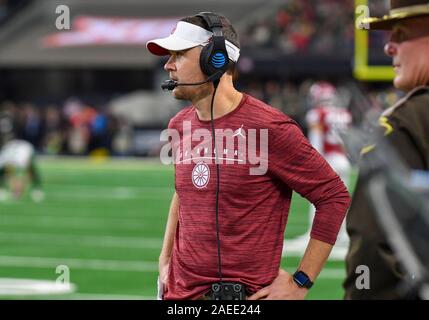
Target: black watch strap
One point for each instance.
(302, 279)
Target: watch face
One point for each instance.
(300, 278)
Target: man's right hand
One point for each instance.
(163, 272)
(167, 245)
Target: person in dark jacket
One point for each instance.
(405, 126)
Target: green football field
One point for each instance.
(104, 221)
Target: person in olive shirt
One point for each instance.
(405, 126)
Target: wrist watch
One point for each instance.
(302, 280)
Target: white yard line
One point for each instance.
(84, 264)
(24, 287)
(332, 273)
(98, 192)
(113, 265)
(101, 296)
(97, 196)
(76, 186)
(30, 288)
(67, 164)
(292, 248)
(71, 222)
(137, 215)
(82, 240)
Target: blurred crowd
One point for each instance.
(73, 128)
(77, 128)
(314, 27)
(320, 27)
(292, 97)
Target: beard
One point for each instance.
(180, 93)
(193, 93)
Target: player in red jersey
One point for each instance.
(240, 232)
(326, 119)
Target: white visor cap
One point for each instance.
(187, 36)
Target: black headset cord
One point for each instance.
(216, 83)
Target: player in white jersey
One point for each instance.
(17, 169)
(325, 120)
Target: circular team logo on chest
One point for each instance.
(200, 175)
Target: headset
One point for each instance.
(214, 57)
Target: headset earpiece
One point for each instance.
(214, 57)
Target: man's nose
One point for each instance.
(390, 48)
(169, 65)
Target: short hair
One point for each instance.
(227, 29)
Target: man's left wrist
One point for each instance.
(302, 280)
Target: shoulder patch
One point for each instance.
(384, 122)
(388, 129)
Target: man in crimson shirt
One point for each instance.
(254, 198)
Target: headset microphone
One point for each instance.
(171, 84)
